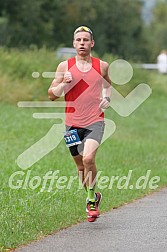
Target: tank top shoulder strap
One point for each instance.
(96, 64)
(71, 62)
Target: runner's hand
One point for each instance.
(67, 77)
(104, 104)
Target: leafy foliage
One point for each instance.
(158, 28)
(116, 24)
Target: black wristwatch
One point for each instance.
(107, 98)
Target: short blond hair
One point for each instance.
(85, 29)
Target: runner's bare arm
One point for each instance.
(61, 80)
(106, 91)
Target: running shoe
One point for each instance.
(92, 211)
(92, 207)
(98, 198)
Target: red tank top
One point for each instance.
(82, 95)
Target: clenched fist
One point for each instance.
(67, 77)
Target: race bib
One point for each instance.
(71, 138)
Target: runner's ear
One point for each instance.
(93, 43)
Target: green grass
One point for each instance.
(138, 144)
(16, 73)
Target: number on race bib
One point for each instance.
(72, 138)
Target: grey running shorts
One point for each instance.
(94, 131)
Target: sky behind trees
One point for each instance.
(147, 10)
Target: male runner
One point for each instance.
(87, 88)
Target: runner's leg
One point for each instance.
(80, 168)
(85, 164)
(89, 153)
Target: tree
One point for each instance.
(158, 29)
(27, 22)
(119, 27)
(116, 24)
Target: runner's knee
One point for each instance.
(80, 168)
(88, 161)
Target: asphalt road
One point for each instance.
(136, 227)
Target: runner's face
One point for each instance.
(83, 43)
